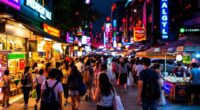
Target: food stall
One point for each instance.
(176, 88)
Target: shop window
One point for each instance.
(16, 44)
(2, 42)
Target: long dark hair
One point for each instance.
(27, 68)
(75, 71)
(104, 84)
(34, 65)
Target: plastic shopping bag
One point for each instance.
(128, 81)
(118, 103)
(33, 93)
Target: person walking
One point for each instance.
(104, 94)
(6, 88)
(27, 83)
(51, 91)
(39, 79)
(59, 75)
(158, 69)
(75, 79)
(123, 77)
(66, 72)
(148, 87)
(195, 83)
(88, 78)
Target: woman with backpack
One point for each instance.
(6, 89)
(39, 79)
(104, 94)
(75, 79)
(51, 91)
(26, 82)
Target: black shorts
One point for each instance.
(66, 90)
(123, 78)
(195, 89)
(104, 108)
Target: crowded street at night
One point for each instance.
(99, 54)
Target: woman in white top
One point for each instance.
(104, 94)
(39, 79)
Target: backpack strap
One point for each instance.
(55, 84)
(46, 84)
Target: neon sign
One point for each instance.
(51, 30)
(44, 13)
(12, 3)
(164, 18)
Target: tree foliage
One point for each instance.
(70, 14)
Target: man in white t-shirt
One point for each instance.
(80, 66)
(58, 87)
(138, 69)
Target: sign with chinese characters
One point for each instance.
(12, 3)
(42, 11)
(139, 34)
(51, 30)
(164, 18)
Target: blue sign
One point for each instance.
(164, 24)
(114, 23)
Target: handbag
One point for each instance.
(118, 103)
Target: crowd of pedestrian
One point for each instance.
(96, 78)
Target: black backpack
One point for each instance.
(48, 99)
(151, 88)
(24, 80)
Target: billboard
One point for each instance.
(139, 34)
(12, 3)
(69, 38)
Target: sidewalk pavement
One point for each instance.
(129, 100)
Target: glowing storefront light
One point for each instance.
(44, 13)
(164, 18)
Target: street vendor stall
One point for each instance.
(177, 88)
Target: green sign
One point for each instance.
(186, 59)
(16, 56)
(189, 30)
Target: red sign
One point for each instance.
(139, 34)
(21, 64)
(51, 30)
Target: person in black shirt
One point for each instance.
(148, 87)
(59, 72)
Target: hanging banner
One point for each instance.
(139, 34)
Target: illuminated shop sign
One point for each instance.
(189, 30)
(69, 38)
(43, 12)
(164, 18)
(51, 30)
(12, 3)
(139, 34)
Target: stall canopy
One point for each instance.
(184, 44)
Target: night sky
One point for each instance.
(104, 6)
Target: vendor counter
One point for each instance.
(177, 88)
